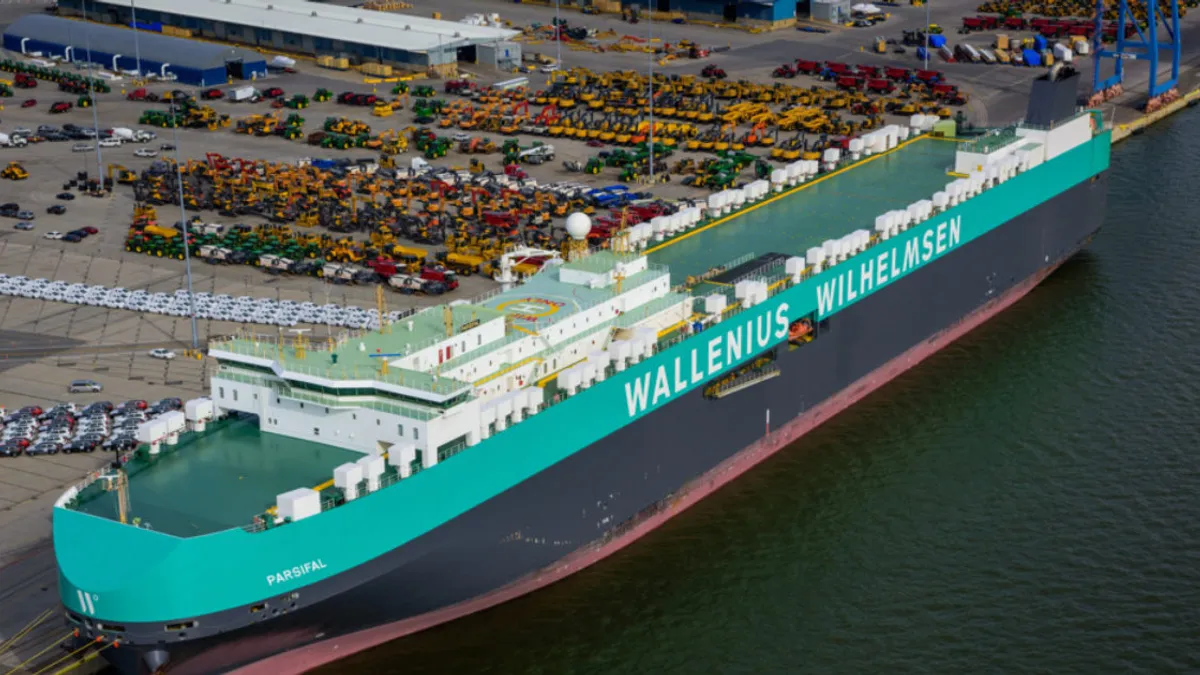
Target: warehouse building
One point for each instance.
(313, 29)
(187, 61)
(767, 14)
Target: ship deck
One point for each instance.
(219, 480)
(827, 208)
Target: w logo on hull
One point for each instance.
(85, 602)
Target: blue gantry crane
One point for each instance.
(1146, 44)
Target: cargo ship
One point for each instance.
(331, 496)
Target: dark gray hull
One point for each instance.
(597, 493)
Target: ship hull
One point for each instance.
(607, 495)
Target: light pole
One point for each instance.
(557, 36)
(187, 256)
(137, 52)
(926, 31)
(87, 42)
(650, 83)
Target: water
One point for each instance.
(1025, 501)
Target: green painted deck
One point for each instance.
(220, 480)
(827, 208)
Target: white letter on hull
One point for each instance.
(636, 393)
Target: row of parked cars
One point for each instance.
(107, 138)
(221, 307)
(67, 427)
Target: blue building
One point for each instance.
(194, 63)
(768, 13)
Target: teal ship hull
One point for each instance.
(588, 474)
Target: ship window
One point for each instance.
(183, 625)
(235, 394)
(400, 427)
(478, 340)
(221, 392)
(353, 416)
(256, 397)
(316, 431)
(416, 434)
(378, 422)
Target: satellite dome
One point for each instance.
(578, 225)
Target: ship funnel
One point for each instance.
(1052, 98)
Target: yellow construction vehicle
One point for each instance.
(382, 109)
(124, 176)
(14, 171)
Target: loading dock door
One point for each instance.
(731, 11)
(467, 54)
(234, 69)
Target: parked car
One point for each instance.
(146, 152)
(23, 225)
(165, 354)
(84, 387)
(65, 196)
(57, 209)
(82, 147)
(53, 234)
(110, 143)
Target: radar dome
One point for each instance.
(578, 225)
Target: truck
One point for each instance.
(348, 274)
(238, 94)
(537, 154)
(408, 285)
(132, 135)
(214, 255)
(275, 264)
(7, 141)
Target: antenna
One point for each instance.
(299, 342)
(381, 308)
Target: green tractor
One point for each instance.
(322, 95)
(297, 102)
(594, 165)
(400, 89)
(424, 91)
(5, 90)
(438, 148)
(84, 101)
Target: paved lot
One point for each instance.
(44, 345)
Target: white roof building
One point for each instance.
(328, 28)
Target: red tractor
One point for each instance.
(211, 94)
(25, 81)
(713, 71)
(61, 107)
(786, 70)
(273, 92)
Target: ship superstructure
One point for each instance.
(343, 493)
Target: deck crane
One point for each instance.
(1145, 45)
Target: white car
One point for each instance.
(82, 147)
(164, 354)
(146, 152)
(53, 234)
(110, 142)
